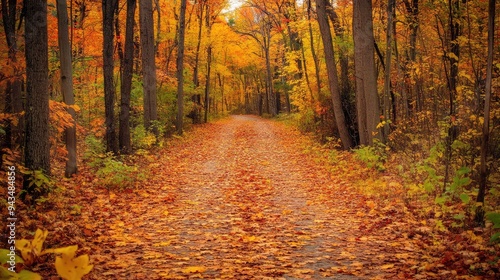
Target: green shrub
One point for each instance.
(38, 186)
(373, 156)
(110, 171)
(141, 138)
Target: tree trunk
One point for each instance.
(343, 56)
(207, 82)
(13, 92)
(148, 63)
(271, 98)
(364, 63)
(158, 26)
(387, 74)
(453, 59)
(344, 81)
(67, 84)
(333, 82)
(37, 152)
(126, 82)
(483, 176)
(313, 52)
(108, 9)
(209, 64)
(412, 9)
(196, 81)
(180, 68)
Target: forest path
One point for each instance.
(239, 199)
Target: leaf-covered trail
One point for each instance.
(238, 200)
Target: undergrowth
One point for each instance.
(112, 172)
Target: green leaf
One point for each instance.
(494, 218)
(465, 198)
(460, 216)
(463, 170)
(441, 200)
(6, 274)
(495, 237)
(28, 275)
(4, 258)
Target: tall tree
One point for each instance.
(126, 81)
(387, 74)
(67, 84)
(367, 102)
(37, 152)
(13, 99)
(483, 176)
(180, 68)
(148, 63)
(200, 10)
(333, 82)
(108, 11)
(313, 50)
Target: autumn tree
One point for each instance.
(256, 23)
(483, 171)
(332, 74)
(208, 23)
(13, 99)
(387, 68)
(37, 152)
(180, 68)
(212, 11)
(67, 84)
(148, 63)
(108, 11)
(126, 80)
(367, 103)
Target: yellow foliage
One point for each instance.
(194, 269)
(71, 268)
(31, 249)
(67, 266)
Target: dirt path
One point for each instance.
(238, 200)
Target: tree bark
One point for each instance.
(108, 10)
(148, 63)
(13, 93)
(67, 84)
(333, 82)
(313, 52)
(180, 68)
(207, 82)
(209, 63)
(196, 81)
(37, 152)
(483, 176)
(126, 82)
(387, 74)
(271, 96)
(364, 63)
